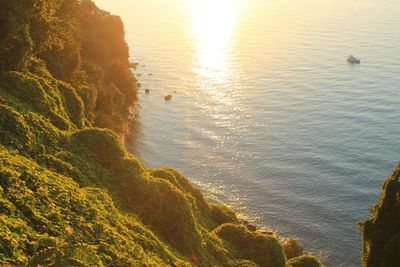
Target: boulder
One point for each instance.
(252, 227)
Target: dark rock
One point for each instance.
(147, 91)
(244, 222)
(265, 232)
(252, 227)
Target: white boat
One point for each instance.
(353, 60)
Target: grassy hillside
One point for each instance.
(70, 193)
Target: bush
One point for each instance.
(209, 215)
(103, 145)
(262, 249)
(88, 95)
(185, 186)
(15, 40)
(29, 91)
(160, 205)
(15, 133)
(221, 214)
(304, 261)
(72, 103)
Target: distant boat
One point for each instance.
(168, 97)
(353, 60)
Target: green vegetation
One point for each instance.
(70, 193)
(381, 243)
(262, 249)
(304, 261)
(73, 195)
(75, 42)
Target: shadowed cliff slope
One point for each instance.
(381, 245)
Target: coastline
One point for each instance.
(71, 192)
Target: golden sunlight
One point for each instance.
(213, 29)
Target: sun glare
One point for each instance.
(213, 29)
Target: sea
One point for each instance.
(266, 114)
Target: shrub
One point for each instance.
(304, 261)
(103, 145)
(88, 95)
(185, 186)
(174, 177)
(34, 94)
(26, 90)
(160, 205)
(221, 214)
(72, 103)
(15, 132)
(15, 40)
(262, 249)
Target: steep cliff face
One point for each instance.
(70, 193)
(381, 245)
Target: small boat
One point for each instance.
(147, 91)
(168, 97)
(353, 60)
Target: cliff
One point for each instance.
(381, 244)
(70, 193)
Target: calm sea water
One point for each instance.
(266, 114)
